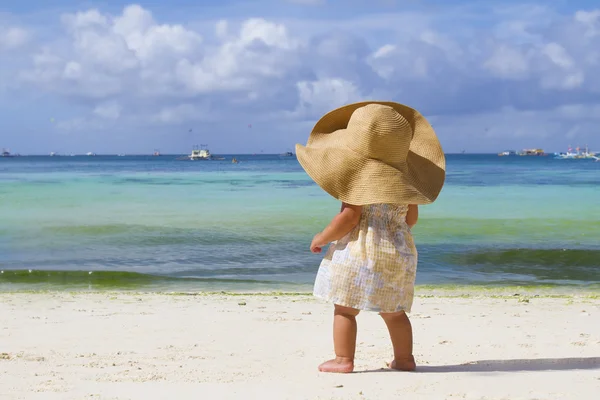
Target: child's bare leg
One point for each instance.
(344, 341)
(401, 334)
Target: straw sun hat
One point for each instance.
(375, 152)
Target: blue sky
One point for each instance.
(246, 76)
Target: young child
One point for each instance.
(381, 160)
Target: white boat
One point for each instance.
(201, 153)
(6, 153)
(577, 155)
(506, 153)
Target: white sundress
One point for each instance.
(373, 267)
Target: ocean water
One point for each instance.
(163, 224)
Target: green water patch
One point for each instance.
(561, 266)
(110, 280)
(101, 279)
(265, 224)
(98, 229)
(152, 235)
(556, 258)
(455, 230)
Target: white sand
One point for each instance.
(152, 346)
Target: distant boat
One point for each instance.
(507, 153)
(6, 153)
(577, 155)
(532, 152)
(52, 154)
(156, 153)
(287, 154)
(89, 153)
(201, 153)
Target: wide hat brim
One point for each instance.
(354, 178)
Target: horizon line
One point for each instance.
(215, 154)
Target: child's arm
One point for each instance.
(339, 227)
(412, 215)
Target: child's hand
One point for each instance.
(317, 244)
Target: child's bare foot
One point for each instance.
(405, 364)
(339, 365)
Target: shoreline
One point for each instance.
(100, 280)
(421, 291)
(125, 345)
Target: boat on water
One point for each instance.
(156, 153)
(287, 154)
(577, 154)
(201, 153)
(6, 153)
(532, 152)
(507, 153)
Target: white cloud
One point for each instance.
(590, 20)
(84, 20)
(222, 29)
(558, 55)
(317, 97)
(501, 129)
(508, 62)
(110, 110)
(132, 68)
(13, 37)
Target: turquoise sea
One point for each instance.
(157, 223)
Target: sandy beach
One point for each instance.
(224, 346)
